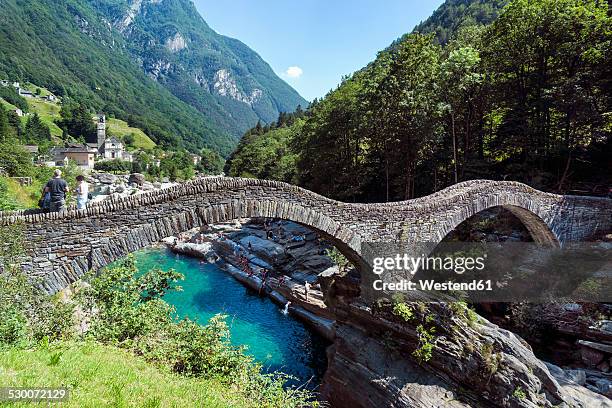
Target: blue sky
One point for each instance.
(311, 44)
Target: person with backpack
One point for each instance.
(57, 188)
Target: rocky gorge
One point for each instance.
(105, 185)
(371, 361)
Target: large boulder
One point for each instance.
(267, 250)
(146, 186)
(137, 179)
(106, 178)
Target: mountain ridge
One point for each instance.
(219, 75)
(75, 49)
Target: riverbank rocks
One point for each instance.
(137, 179)
(263, 248)
(106, 178)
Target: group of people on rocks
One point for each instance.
(55, 191)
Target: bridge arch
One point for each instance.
(61, 247)
(538, 229)
(342, 238)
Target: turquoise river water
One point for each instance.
(278, 341)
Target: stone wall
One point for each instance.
(61, 247)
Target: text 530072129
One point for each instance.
(33, 394)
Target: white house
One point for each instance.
(110, 148)
(196, 159)
(18, 112)
(83, 155)
(25, 93)
(4, 82)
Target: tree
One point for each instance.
(4, 125)
(76, 120)
(129, 139)
(409, 107)
(459, 79)
(36, 132)
(545, 59)
(212, 162)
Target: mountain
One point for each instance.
(153, 63)
(220, 76)
(454, 14)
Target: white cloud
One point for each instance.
(294, 72)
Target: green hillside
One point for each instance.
(454, 14)
(220, 76)
(479, 90)
(156, 65)
(66, 47)
(120, 128)
(48, 112)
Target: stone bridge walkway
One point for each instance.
(61, 247)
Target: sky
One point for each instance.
(312, 44)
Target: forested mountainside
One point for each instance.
(526, 97)
(220, 76)
(153, 63)
(452, 15)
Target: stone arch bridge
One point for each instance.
(61, 247)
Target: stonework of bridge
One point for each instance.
(61, 247)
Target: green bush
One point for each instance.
(125, 309)
(15, 161)
(130, 313)
(7, 202)
(114, 166)
(27, 315)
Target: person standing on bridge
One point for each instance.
(82, 192)
(58, 188)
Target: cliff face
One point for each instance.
(220, 76)
(472, 362)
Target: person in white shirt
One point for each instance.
(82, 192)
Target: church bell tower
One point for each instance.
(101, 130)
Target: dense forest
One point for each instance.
(526, 97)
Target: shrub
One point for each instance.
(114, 166)
(402, 310)
(423, 352)
(519, 393)
(127, 311)
(27, 315)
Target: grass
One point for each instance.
(105, 376)
(7, 105)
(121, 128)
(48, 113)
(23, 196)
(32, 88)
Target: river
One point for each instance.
(274, 339)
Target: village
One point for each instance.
(84, 155)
